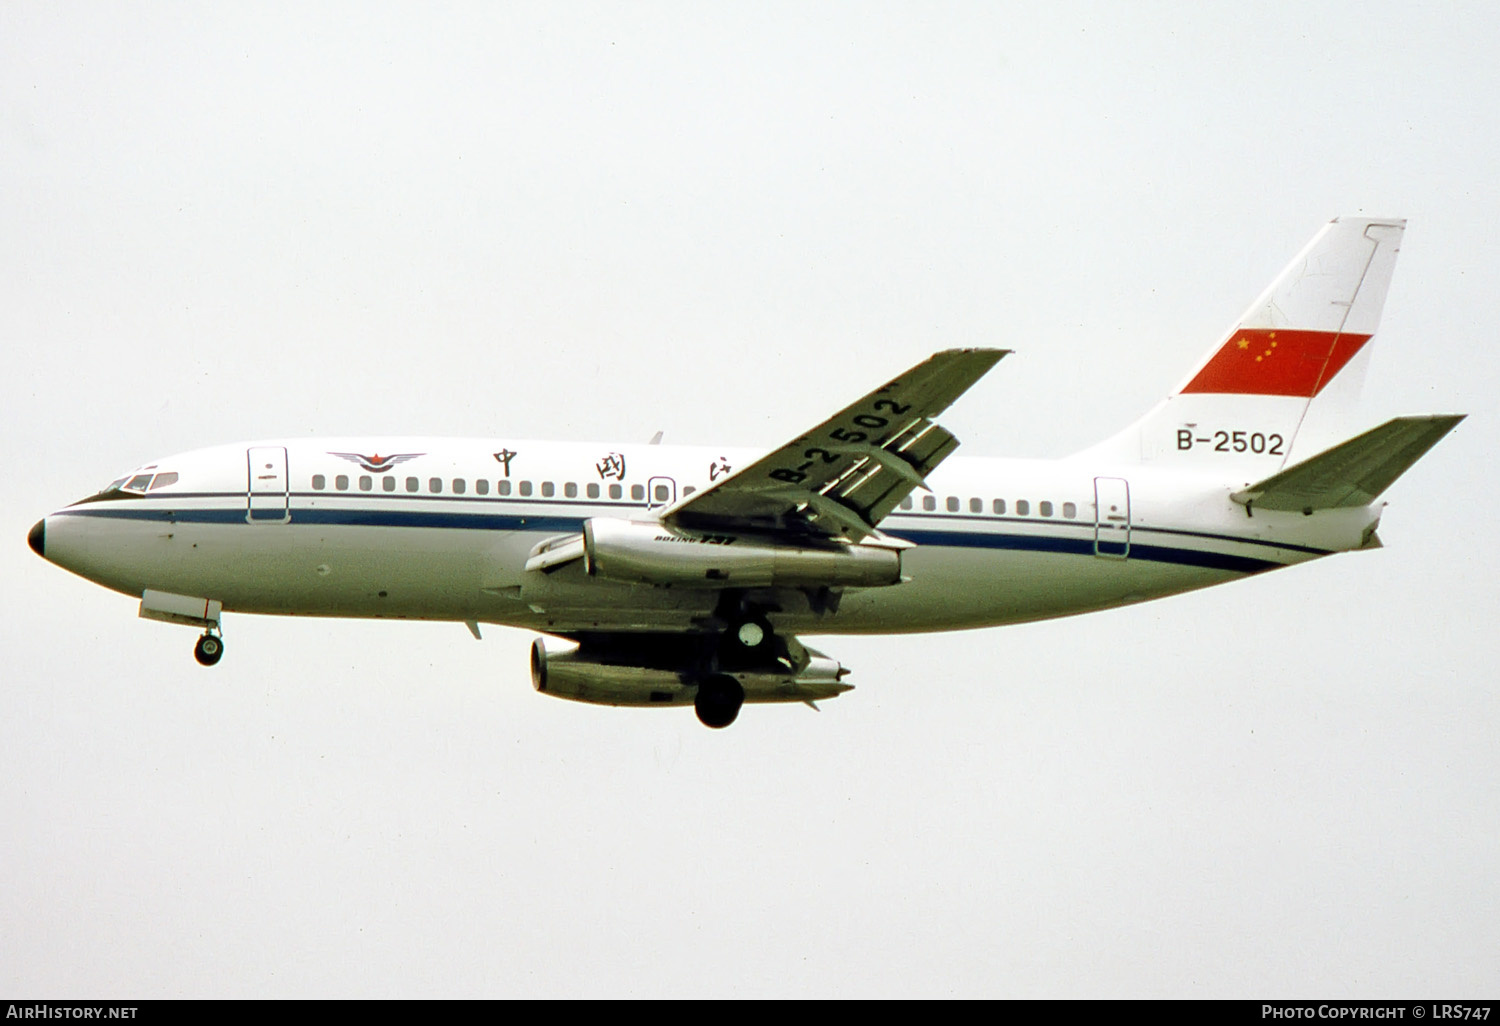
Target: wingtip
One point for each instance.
(978, 356)
(1449, 421)
(1394, 222)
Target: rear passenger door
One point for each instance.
(1111, 517)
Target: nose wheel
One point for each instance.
(209, 649)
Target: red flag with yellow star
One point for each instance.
(1266, 361)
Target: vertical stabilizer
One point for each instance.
(1300, 347)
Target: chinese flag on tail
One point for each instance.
(1267, 361)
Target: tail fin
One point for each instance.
(1300, 349)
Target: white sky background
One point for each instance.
(226, 221)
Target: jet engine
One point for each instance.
(606, 674)
(634, 552)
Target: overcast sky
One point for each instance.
(588, 221)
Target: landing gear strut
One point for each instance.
(751, 634)
(719, 700)
(748, 641)
(209, 649)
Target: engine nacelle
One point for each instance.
(634, 552)
(564, 670)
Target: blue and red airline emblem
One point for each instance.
(377, 464)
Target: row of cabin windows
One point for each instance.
(997, 506)
(661, 493)
(460, 486)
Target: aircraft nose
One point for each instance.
(37, 538)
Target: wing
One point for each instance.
(844, 476)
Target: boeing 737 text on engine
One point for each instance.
(666, 575)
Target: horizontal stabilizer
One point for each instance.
(1352, 473)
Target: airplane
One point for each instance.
(662, 575)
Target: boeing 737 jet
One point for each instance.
(665, 575)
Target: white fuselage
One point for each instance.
(441, 529)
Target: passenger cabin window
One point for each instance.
(999, 507)
(388, 483)
(688, 490)
(412, 484)
(570, 490)
(662, 492)
(615, 491)
(1022, 507)
(341, 482)
(502, 487)
(1045, 508)
(637, 492)
(319, 482)
(593, 491)
(435, 485)
(366, 482)
(1070, 510)
(953, 504)
(976, 505)
(906, 503)
(929, 502)
(459, 486)
(482, 487)
(525, 488)
(547, 489)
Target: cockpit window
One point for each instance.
(136, 484)
(129, 487)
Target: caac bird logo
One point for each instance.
(377, 464)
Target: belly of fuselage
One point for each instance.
(293, 569)
(472, 574)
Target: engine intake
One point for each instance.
(648, 553)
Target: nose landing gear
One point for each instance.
(209, 649)
(190, 611)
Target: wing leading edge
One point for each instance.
(843, 477)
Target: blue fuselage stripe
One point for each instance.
(1078, 541)
(1084, 546)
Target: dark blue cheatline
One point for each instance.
(1080, 544)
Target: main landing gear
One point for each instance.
(719, 699)
(748, 643)
(209, 649)
(749, 636)
(748, 639)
